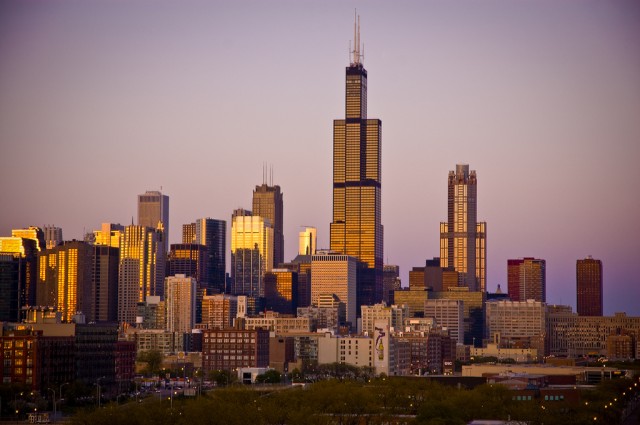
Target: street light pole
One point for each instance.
(99, 395)
(59, 399)
(53, 391)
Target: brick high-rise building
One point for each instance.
(527, 279)
(229, 349)
(589, 287)
(180, 303)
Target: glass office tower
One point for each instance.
(356, 229)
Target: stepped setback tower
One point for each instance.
(356, 229)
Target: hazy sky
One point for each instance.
(100, 101)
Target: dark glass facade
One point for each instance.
(104, 286)
(10, 280)
(267, 203)
(281, 291)
(212, 233)
(188, 259)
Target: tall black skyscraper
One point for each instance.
(267, 203)
(357, 229)
(212, 233)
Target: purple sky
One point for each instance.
(100, 101)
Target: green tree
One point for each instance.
(271, 376)
(222, 378)
(153, 359)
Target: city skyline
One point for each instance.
(540, 98)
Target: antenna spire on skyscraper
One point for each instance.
(357, 56)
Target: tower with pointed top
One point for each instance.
(463, 239)
(356, 229)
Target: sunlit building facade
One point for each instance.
(187, 259)
(219, 311)
(527, 279)
(153, 212)
(189, 233)
(589, 287)
(307, 241)
(251, 254)
(356, 229)
(110, 234)
(140, 275)
(34, 233)
(267, 203)
(462, 237)
(65, 279)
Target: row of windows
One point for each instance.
(230, 340)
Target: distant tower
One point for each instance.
(267, 203)
(589, 287)
(390, 282)
(189, 233)
(52, 236)
(153, 208)
(356, 229)
(527, 279)
(308, 241)
(462, 237)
